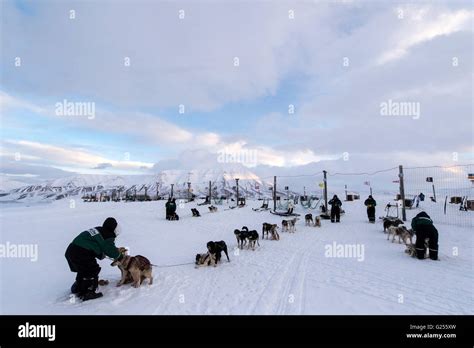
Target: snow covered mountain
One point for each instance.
(222, 180)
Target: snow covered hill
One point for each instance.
(222, 181)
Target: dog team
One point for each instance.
(99, 242)
(426, 244)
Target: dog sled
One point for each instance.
(283, 213)
(264, 206)
(310, 204)
(390, 209)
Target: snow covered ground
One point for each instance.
(290, 276)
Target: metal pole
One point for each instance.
(325, 190)
(274, 193)
(237, 189)
(210, 191)
(172, 190)
(434, 193)
(402, 192)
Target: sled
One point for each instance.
(283, 213)
(264, 206)
(260, 209)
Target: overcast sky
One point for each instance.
(174, 84)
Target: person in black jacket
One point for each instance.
(81, 255)
(168, 209)
(424, 229)
(335, 208)
(370, 203)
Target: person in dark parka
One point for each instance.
(168, 209)
(335, 209)
(370, 203)
(81, 255)
(424, 229)
(171, 210)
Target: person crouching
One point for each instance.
(81, 255)
(424, 229)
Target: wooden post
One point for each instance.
(274, 193)
(402, 192)
(325, 190)
(434, 193)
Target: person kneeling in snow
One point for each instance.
(424, 229)
(81, 255)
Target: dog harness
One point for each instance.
(142, 261)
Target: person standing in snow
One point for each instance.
(81, 255)
(424, 229)
(370, 203)
(336, 204)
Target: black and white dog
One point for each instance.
(245, 235)
(387, 222)
(195, 212)
(216, 248)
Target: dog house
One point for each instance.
(455, 200)
(352, 196)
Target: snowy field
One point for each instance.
(290, 276)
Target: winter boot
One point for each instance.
(75, 288)
(90, 295)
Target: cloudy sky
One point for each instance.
(286, 84)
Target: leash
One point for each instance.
(179, 264)
(163, 266)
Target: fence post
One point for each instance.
(210, 192)
(274, 193)
(237, 190)
(402, 192)
(325, 192)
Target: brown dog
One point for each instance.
(136, 267)
(317, 221)
(270, 230)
